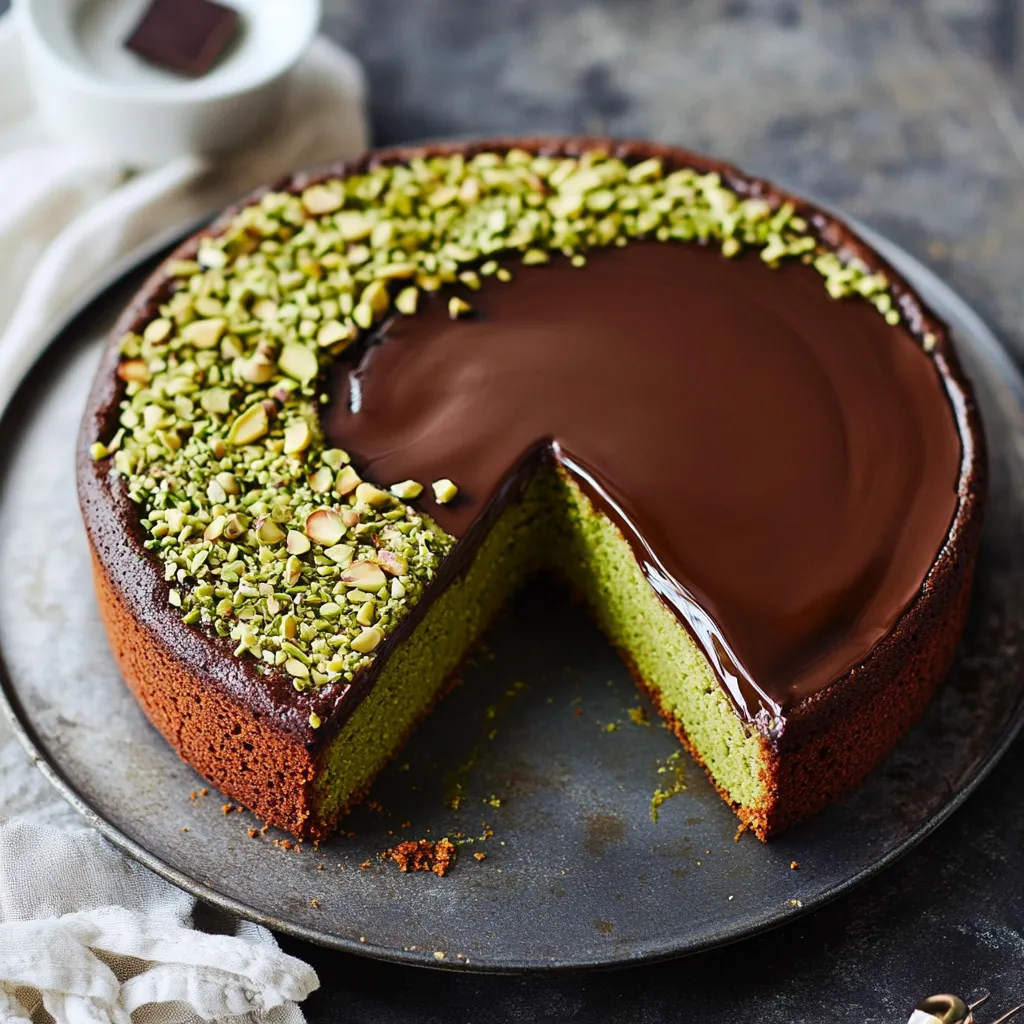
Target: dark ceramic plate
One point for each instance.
(553, 776)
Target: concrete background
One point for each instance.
(904, 113)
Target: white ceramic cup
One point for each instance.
(94, 92)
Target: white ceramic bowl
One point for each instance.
(93, 91)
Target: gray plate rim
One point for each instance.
(950, 306)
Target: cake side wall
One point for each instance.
(237, 750)
(847, 730)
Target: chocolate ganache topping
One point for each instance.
(783, 463)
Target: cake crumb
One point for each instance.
(227, 808)
(438, 955)
(253, 833)
(577, 711)
(184, 828)
(204, 792)
(675, 767)
(794, 865)
(638, 716)
(479, 856)
(365, 866)
(423, 855)
(314, 903)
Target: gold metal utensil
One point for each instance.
(949, 1009)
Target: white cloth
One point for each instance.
(68, 219)
(89, 936)
(86, 935)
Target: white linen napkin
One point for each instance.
(68, 218)
(86, 935)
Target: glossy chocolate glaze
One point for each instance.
(784, 464)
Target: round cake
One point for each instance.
(335, 431)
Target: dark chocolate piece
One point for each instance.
(186, 36)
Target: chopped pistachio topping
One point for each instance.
(407, 489)
(444, 491)
(267, 537)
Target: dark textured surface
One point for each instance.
(902, 112)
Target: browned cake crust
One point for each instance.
(249, 734)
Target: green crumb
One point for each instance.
(610, 727)
(639, 716)
(673, 764)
